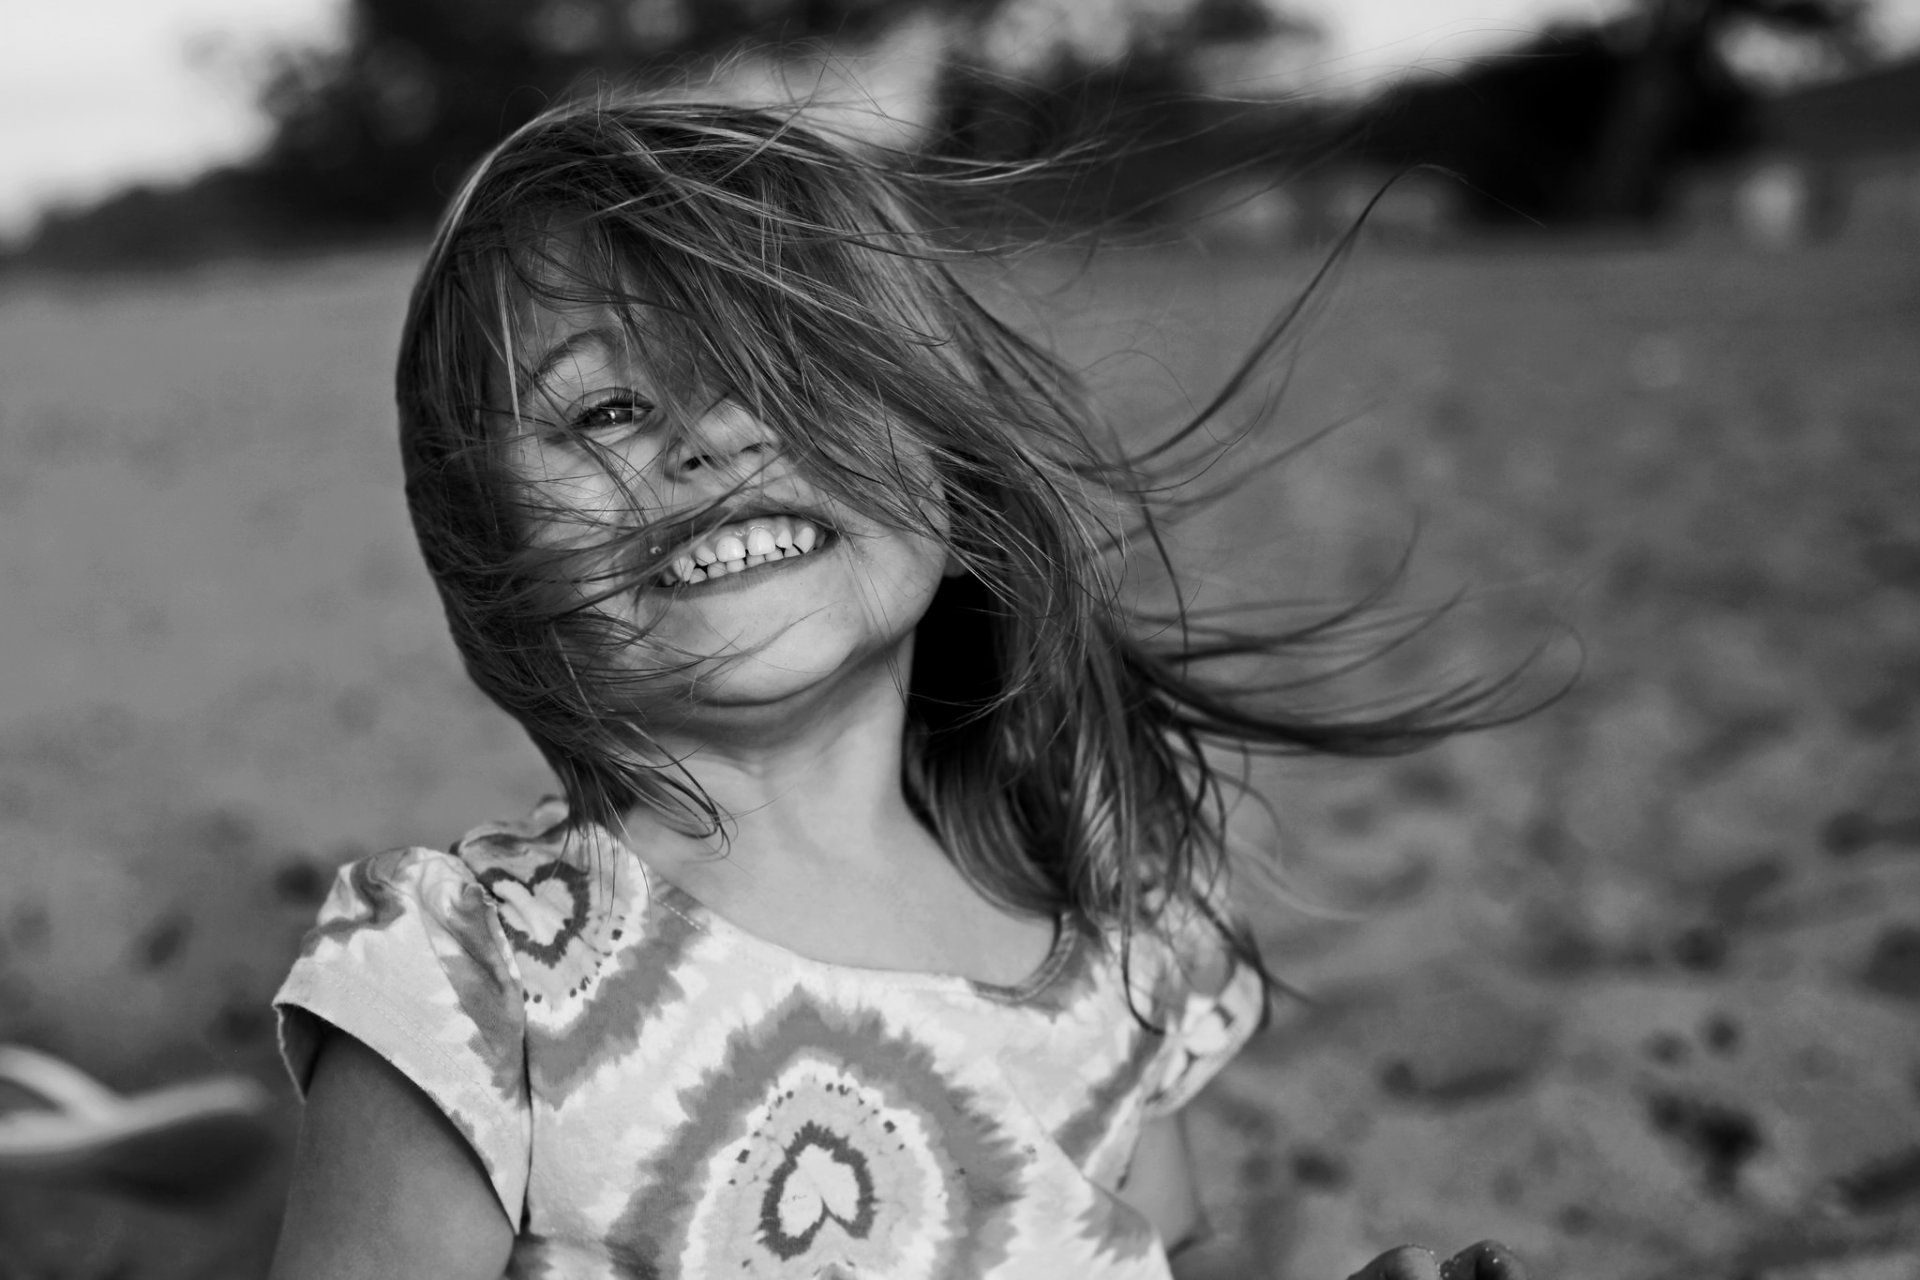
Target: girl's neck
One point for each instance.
(824, 856)
(821, 788)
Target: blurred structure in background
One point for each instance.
(1839, 155)
(1161, 113)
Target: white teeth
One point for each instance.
(768, 538)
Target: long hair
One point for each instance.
(1063, 742)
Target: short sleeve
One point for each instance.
(409, 958)
(1207, 1024)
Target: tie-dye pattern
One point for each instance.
(656, 1093)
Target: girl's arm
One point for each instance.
(383, 1184)
(1160, 1184)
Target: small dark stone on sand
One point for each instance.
(1882, 1185)
(1734, 893)
(1893, 969)
(1702, 949)
(1320, 1170)
(301, 881)
(1722, 1137)
(162, 944)
(1396, 1078)
(1465, 1044)
(1399, 1079)
(1848, 832)
(1721, 1033)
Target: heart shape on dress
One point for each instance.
(543, 913)
(823, 1178)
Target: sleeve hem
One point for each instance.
(1234, 1015)
(363, 1012)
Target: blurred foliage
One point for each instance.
(374, 132)
(1590, 122)
(369, 138)
(377, 131)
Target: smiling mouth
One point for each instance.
(745, 544)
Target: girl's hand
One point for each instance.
(1488, 1260)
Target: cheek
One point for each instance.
(569, 501)
(916, 565)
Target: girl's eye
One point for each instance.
(621, 411)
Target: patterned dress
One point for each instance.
(656, 1093)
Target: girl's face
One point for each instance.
(790, 596)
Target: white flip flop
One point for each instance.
(182, 1145)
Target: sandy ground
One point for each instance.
(1634, 985)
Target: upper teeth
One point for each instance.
(733, 547)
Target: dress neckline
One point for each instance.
(548, 828)
(664, 894)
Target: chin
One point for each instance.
(790, 674)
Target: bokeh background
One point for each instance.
(1627, 371)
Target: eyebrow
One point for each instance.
(566, 349)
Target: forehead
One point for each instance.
(553, 343)
(544, 334)
(561, 288)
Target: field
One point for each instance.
(1633, 984)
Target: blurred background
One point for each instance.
(1625, 353)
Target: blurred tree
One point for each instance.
(375, 132)
(370, 137)
(1590, 122)
(1030, 77)
(1674, 58)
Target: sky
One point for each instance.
(97, 94)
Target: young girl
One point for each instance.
(880, 931)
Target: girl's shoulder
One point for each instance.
(569, 899)
(497, 865)
(1206, 999)
(534, 901)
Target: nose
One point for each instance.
(728, 442)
